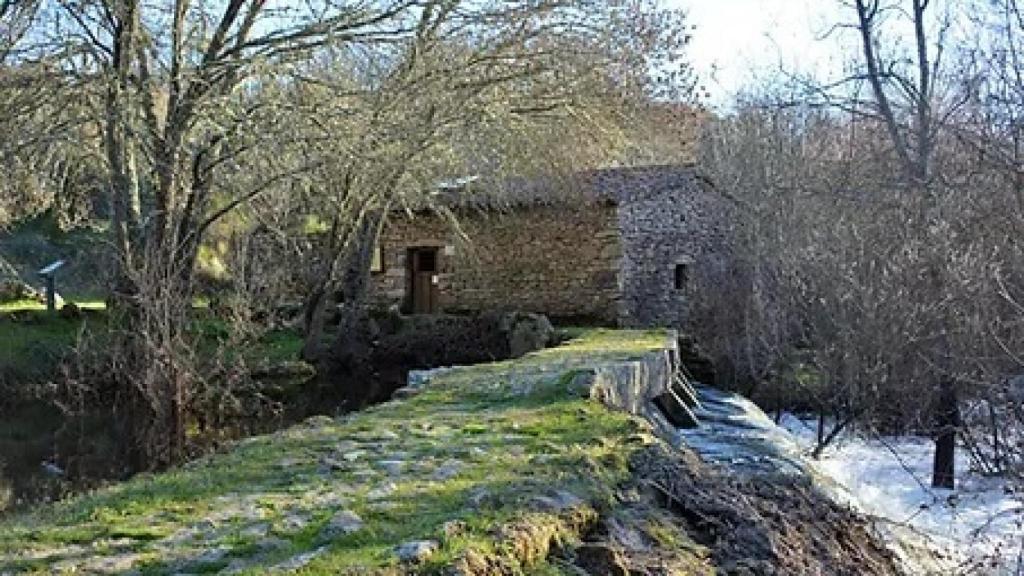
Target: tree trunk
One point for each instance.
(314, 314)
(314, 320)
(947, 425)
(355, 283)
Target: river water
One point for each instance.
(736, 433)
(46, 455)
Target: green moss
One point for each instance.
(509, 444)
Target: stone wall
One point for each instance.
(680, 223)
(560, 260)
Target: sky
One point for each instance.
(741, 40)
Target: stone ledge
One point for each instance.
(652, 386)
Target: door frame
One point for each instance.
(418, 275)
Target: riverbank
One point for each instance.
(497, 468)
(54, 444)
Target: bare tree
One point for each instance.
(181, 96)
(906, 98)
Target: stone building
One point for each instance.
(615, 246)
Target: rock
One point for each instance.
(342, 524)
(353, 455)
(328, 464)
(237, 566)
(300, 560)
(392, 467)
(346, 446)
(331, 499)
(1015, 388)
(116, 564)
(256, 530)
(382, 491)
(405, 392)
(523, 387)
(448, 470)
(417, 379)
(558, 501)
(582, 383)
(210, 557)
(417, 550)
(364, 474)
(381, 506)
(271, 544)
(70, 311)
(483, 498)
(294, 522)
(527, 332)
(318, 421)
(600, 558)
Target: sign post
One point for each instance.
(48, 275)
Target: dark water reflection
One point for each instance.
(46, 455)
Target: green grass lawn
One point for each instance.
(35, 305)
(34, 342)
(473, 463)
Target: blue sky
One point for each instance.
(737, 41)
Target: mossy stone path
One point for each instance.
(452, 477)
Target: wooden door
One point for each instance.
(422, 274)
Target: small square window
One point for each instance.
(681, 276)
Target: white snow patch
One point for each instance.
(981, 521)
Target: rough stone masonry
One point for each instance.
(615, 246)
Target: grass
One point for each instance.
(511, 431)
(33, 342)
(32, 346)
(36, 306)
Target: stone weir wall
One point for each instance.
(652, 386)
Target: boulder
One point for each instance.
(343, 523)
(600, 558)
(405, 393)
(527, 332)
(70, 311)
(416, 551)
